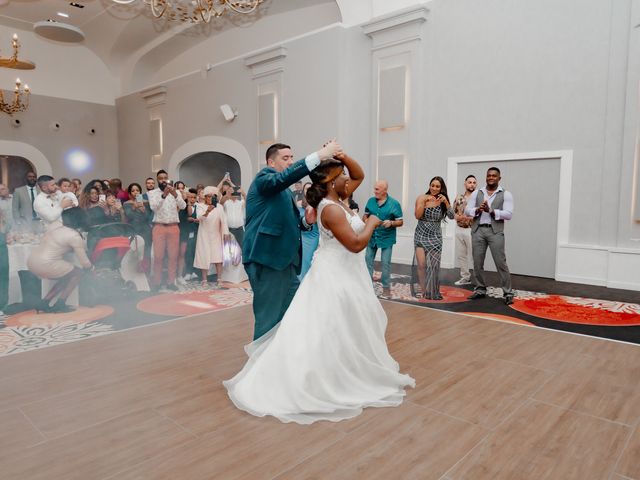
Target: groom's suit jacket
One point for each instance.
(273, 223)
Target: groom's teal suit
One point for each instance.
(272, 248)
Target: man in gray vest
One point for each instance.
(490, 207)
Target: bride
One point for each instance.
(327, 359)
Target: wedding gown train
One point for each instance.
(327, 359)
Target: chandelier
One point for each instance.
(20, 94)
(20, 99)
(13, 61)
(198, 11)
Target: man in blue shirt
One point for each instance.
(388, 210)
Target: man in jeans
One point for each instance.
(388, 210)
(463, 231)
(165, 201)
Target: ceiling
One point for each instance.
(115, 32)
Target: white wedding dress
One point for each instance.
(327, 359)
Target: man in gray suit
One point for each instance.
(490, 207)
(23, 198)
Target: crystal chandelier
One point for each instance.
(20, 94)
(199, 11)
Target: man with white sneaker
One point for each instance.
(463, 231)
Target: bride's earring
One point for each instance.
(333, 184)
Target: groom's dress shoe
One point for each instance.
(476, 295)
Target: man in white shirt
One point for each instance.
(49, 203)
(165, 201)
(490, 207)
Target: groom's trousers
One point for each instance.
(273, 291)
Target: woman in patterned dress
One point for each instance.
(431, 209)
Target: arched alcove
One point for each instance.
(221, 145)
(29, 153)
(13, 170)
(208, 168)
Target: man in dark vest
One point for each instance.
(490, 207)
(272, 249)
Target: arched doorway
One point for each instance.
(209, 168)
(13, 170)
(231, 148)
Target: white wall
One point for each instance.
(75, 119)
(68, 71)
(519, 76)
(192, 105)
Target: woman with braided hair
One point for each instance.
(327, 359)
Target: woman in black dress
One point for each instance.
(431, 209)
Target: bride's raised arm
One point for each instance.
(356, 173)
(334, 219)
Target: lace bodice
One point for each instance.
(326, 236)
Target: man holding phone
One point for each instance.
(490, 207)
(165, 201)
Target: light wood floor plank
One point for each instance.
(629, 465)
(543, 441)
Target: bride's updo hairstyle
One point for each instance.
(327, 171)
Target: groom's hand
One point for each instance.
(310, 215)
(329, 150)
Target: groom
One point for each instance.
(272, 248)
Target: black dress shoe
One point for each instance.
(508, 300)
(476, 295)
(61, 307)
(437, 297)
(43, 306)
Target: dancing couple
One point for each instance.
(319, 351)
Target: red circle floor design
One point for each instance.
(556, 308)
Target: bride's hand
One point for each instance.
(375, 220)
(310, 215)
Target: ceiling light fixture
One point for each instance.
(197, 11)
(62, 14)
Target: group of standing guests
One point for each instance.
(479, 215)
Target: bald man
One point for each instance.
(388, 210)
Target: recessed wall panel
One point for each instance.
(392, 97)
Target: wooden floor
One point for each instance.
(493, 401)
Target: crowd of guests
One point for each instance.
(186, 228)
(183, 229)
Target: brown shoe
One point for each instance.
(386, 292)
